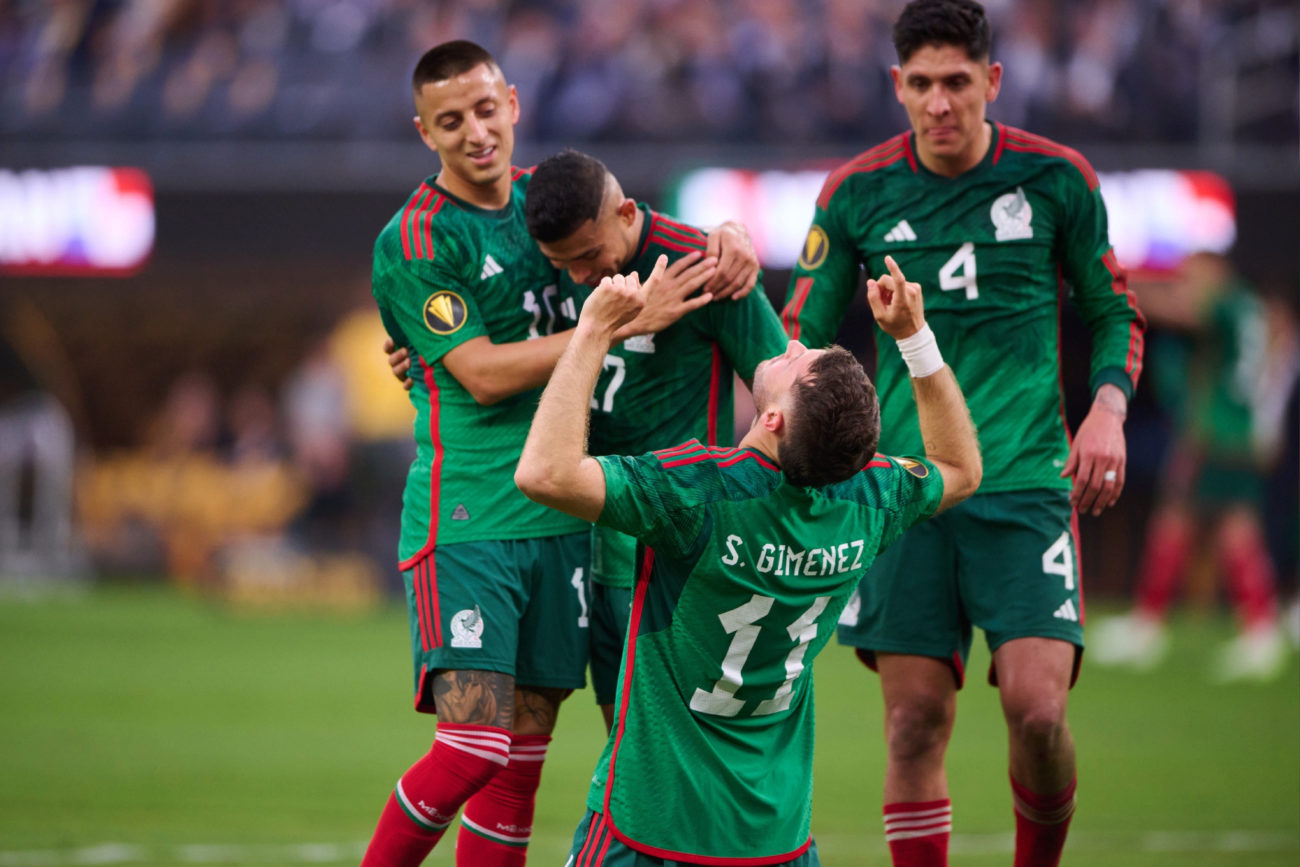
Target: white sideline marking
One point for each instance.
(1170, 842)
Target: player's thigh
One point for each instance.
(464, 603)
(908, 603)
(611, 608)
(554, 625)
(1019, 567)
(594, 845)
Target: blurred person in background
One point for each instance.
(497, 587)
(1208, 373)
(990, 220)
(38, 450)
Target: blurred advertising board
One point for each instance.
(83, 221)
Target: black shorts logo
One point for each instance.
(444, 312)
(815, 248)
(916, 468)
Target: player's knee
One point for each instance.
(918, 727)
(1039, 722)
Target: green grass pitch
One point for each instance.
(139, 726)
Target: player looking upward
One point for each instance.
(495, 585)
(990, 220)
(654, 391)
(751, 553)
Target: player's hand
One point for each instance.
(898, 305)
(1098, 455)
(737, 272)
(669, 298)
(399, 362)
(618, 299)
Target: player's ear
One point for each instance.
(627, 211)
(896, 75)
(424, 134)
(995, 82)
(772, 419)
(514, 104)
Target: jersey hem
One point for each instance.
(427, 549)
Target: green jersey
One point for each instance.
(990, 249)
(658, 390)
(1223, 366)
(743, 578)
(445, 272)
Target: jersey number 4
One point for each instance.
(741, 623)
(959, 272)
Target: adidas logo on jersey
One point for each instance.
(1067, 612)
(490, 268)
(460, 513)
(901, 232)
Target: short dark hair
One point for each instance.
(448, 60)
(566, 190)
(835, 423)
(942, 22)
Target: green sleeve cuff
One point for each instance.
(1113, 376)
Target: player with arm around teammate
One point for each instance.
(495, 585)
(990, 220)
(749, 556)
(655, 390)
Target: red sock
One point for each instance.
(498, 819)
(1042, 822)
(463, 760)
(1168, 546)
(917, 832)
(1251, 583)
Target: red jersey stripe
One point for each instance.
(435, 470)
(417, 198)
(426, 236)
(689, 459)
(790, 315)
(878, 157)
(1019, 140)
(689, 445)
(715, 386)
(660, 223)
(1119, 285)
(674, 244)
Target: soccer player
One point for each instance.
(1208, 375)
(654, 391)
(750, 554)
(990, 220)
(496, 586)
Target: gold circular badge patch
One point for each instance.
(814, 249)
(916, 468)
(444, 312)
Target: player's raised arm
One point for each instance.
(946, 426)
(554, 469)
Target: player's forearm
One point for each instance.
(948, 433)
(492, 372)
(549, 470)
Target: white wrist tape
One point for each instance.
(921, 352)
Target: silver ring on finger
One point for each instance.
(1110, 476)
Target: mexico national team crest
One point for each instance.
(444, 312)
(815, 249)
(1011, 214)
(467, 628)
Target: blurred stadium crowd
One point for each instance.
(591, 70)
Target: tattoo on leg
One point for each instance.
(536, 709)
(475, 697)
